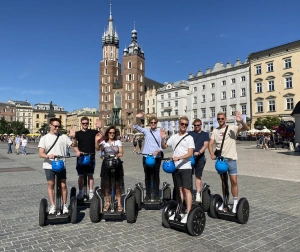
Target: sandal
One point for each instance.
(120, 209)
(105, 209)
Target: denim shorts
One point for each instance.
(232, 168)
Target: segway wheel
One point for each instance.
(138, 198)
(216, 201)
(206, 200)
(73, 209)
(73, 192)
(243, 211)
(174, 194)
(196, 221)
(131, 209)
(43, 212)
(167, 194)
(95, 209)
(168, 210)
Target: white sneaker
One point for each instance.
(184, 219)
(221, 208)
(234, 209)
(52, 209)
(79, 196)
(65, 209)
(91, 195)
(198, 197)
(172, 217)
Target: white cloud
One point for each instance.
(187, 28)
(178, 61)
(224, 35)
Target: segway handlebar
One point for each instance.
(86, 154)
(110, 156)
(60, 157)
(167, 158)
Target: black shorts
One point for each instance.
(90, 168)
(50, 174)
(184, 178)
(198, 167)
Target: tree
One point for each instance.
(3, 126)
(18, 128)
(269, 122)
(43, 128)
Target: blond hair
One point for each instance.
(184, 118)
(221, 113)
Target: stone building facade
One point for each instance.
(223, 88)
(124, 90)
(275, 81)
(8, 111)
(74, 118)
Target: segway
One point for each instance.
(196, 217)
(139, 190)
(97, 202)
(44, 216)
(84, 160)
(242, 209)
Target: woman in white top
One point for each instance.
(111, 146)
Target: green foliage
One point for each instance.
(14, 127)
(269, 122)
(3, 126)
(43, 128)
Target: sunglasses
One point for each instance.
(184, 124)
(84, 123)
(56, 126)
(197, 125)
(153, 122)
(111, 133)
(220, 119)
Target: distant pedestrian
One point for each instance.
(24, 144)
(140, 142)
(9, 143)
(134, 141)
(17, 143)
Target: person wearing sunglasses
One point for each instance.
(228, 151)
(201, 140)
(152, 145)
(111, 146)
(183, 147)
(58, 149)
(84, 141)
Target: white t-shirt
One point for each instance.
(59, 149)
(111, 148)
(229, 147)
(24, 142)
(181, 149)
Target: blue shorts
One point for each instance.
(232, 168)
(90, 168)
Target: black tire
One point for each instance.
(138, 198)
(215, 202)
(196, 221)
(73, 209)
(206, 200)
(131, 209)
(95, 215)
(167, 194)
(43, 212)
(243, 211)
(167, 212)
(95, 189)
(73, 192)
(174, 194)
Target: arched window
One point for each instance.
(129, 77)
(141, 66)
(129, 65)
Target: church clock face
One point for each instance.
(118, 99)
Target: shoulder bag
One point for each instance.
(53, 144)
(218, 153)
(161, 153)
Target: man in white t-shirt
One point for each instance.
(181, 158)
(228, 151)
(59, 149)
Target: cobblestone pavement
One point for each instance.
(269, 179)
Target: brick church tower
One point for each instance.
(133, 82)
(110, 70)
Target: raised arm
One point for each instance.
(163, 136)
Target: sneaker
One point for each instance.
(156, 198)
(221, 208)
(234, 209)
(65, 209)
(172, 217)
(147, 198)
(91, 195)
(198, 198)
(79, 196)
(52, 209)
(184, 218)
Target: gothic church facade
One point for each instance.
(122, 86)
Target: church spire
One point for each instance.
(110, 35)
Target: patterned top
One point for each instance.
(111, 148)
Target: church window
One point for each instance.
(141, 66)
(105, 71)
(141, 87)
(129, 64)
(105, 98)
(118, 99)
(129, 77)
(117, 72)
(129, 105)
(132, 105)
(105, 62)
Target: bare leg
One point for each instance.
(51, 191)
(64, 191)
(188, 199)
(91, 181)
(198, 183)
(80, 182)
(234, 185)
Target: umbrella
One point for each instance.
(253, 131)
(12, 134)
(265, 131)
(5, 134)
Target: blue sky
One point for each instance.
(50, 49)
